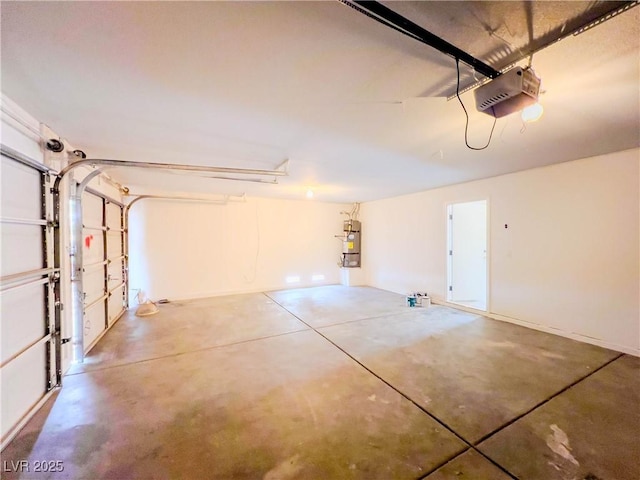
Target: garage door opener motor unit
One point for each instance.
(510, 92)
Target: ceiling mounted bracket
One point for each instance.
(614, 12)
(281, 170)
(388, 17)
(252, 180)
(607, 16)
(283, 166)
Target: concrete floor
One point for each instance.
(336, 382)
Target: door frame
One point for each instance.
(448, 247)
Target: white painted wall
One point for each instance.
(569, 261)
(181, 250)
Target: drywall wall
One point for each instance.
(563, 246)
(181, 250)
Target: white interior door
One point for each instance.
(468, 254)
(28, 363)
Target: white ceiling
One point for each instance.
(359, 109)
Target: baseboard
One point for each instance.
(543, 328)
(222, 293)
(457, 306)
(572, 335)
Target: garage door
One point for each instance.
(104, 280)
(29, 291)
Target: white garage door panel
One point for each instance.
(23, 318)
(115, 273)
(23, 383)
(102, 282)
(21, 248)
(116, 306)
(93, 284)
(113, 216)
(114, 244)
(21, 192)
(94, 253)
(91, 210)
(94, 324)
(28, 290)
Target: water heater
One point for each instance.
(351, 244)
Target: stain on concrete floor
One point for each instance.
(226, 388)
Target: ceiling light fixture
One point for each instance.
(309, 193)
(532, 113)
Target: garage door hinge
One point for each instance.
(450, 288)
(65, 340)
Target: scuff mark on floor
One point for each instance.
(504, 344)
(286, 469)
(553, 355)
(312, 410)
(558, 442)
(554, 465)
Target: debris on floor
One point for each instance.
(147, 308)
(418, 299)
